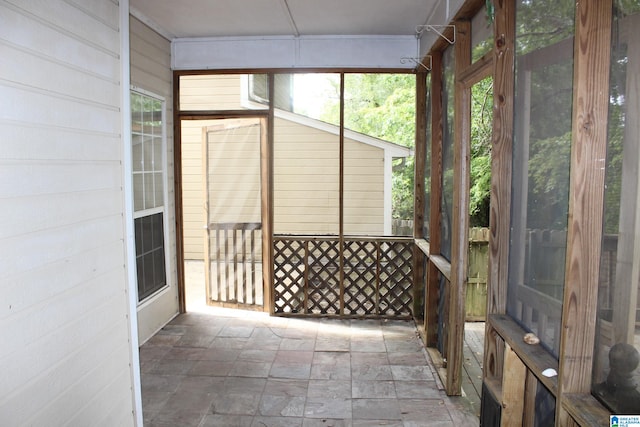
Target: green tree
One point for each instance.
(383, 106)
(480, 162)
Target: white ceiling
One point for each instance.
(215, 18)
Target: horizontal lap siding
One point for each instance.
(363, 189)
(220, 92)
(306, 179)
(151, 71)
(65, 353)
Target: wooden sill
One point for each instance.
(424, 246)
(535, 358)
(586, 410)
(442, 265)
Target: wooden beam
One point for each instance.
(419, 188)
(460, 212)
(477, 71)
(501, 152)
(177, 183)
(586, 197)
(435, 203)
(266, 190)
(341, 200)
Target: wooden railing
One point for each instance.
(235, 263)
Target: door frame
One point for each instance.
(266, 189)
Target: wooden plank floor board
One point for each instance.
(472, 363)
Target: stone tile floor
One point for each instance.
(228, 367)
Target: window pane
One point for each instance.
(149, 192)
(541, 160)
(138, 163)
(307, 159)
(617, 341)
(138, 191)
(379, 114)
(223, 92)
(446, 211)
(158, 193)
(147, 151)
(150, 254)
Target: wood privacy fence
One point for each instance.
(358, 277)
(476, 295)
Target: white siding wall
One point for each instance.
(64, 331)
(151, 71)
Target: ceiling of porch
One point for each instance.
(215, 18)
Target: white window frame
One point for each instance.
(160, 209)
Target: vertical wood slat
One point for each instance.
(586, 197)
(419, 190)
(218, 269)
(245, 289)
(207, 234)
(460, 227)
(529, 405)
(227, 292)
(513, 389)
(501, 158)
(234, 236)
(253, 268)
(432, 286)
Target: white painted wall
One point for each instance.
(65, 347)
(151, 72)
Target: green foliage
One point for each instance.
(480, 163)
(549, 162)
(383, 106)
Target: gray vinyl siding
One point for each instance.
(65, 351)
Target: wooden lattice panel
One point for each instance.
(323, 281)
(396, 278)
(289, 275)
(377, 276)
(360, 277)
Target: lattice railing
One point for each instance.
(365, 277)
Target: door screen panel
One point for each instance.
(233, 245)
